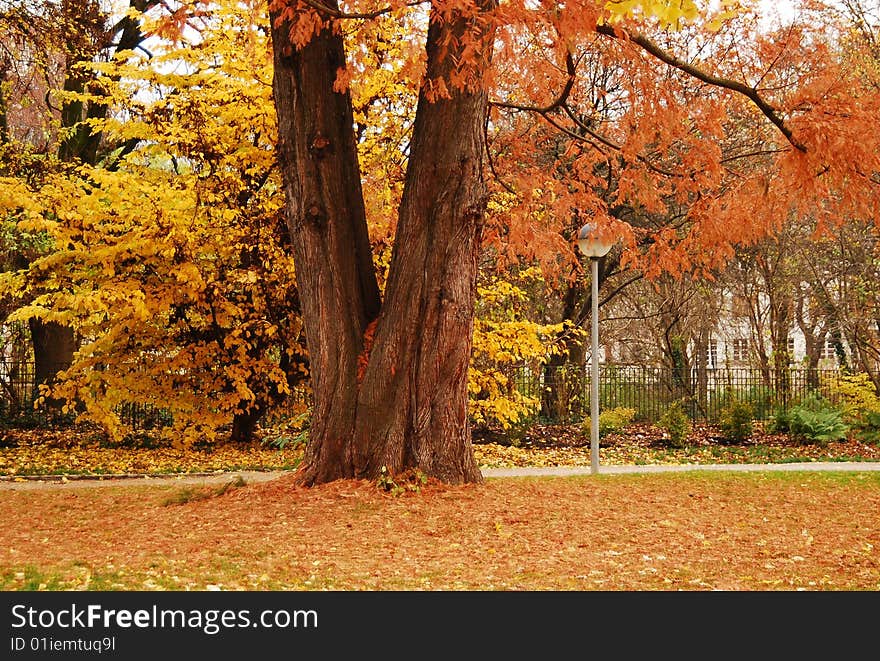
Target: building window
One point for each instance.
(741, 350)
(789, 346)
(712, 354)
(828, 350)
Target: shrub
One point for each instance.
(675, 424)
(817, 426)
(288, 433)
(815, 401)
(759, 398)
(736, 422)
(868, 428)
(611, 421)
(515, 433)
(856, 393)
(780, 423)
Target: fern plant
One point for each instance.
(868, 429)
(817, 426)
(780, 423)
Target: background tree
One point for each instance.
(165, 256)
(47, 47)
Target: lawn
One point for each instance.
(690, 531)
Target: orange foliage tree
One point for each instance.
(680, 91)
(687, 189)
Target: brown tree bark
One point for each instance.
(54, 346)
(398, 400)
(244, 424)
(565, 376)
(328, 230)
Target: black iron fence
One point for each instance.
(17, 391)
(19, 394)
(563, 392)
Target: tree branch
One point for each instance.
(608, 143)
(751, 154)
(559, 102)
(668, 58)
(332, 12)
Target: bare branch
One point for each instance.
(751, 154)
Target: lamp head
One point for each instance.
(589, 242)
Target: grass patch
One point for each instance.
(30, 579)
(193, 494)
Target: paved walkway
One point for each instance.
(677, 468)
(250, 477)
(79, 481)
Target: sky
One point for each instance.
(783, 7)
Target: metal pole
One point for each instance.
(594, 370)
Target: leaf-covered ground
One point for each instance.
(78, 452)
(566, 445)
(692, 531)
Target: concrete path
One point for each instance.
(251, 477)
(78, 481)
(677, 468)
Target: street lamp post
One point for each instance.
(594, 247)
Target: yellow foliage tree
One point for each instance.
(509, 350)
(168, 258)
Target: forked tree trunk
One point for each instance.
(413, 404)
(406, 407)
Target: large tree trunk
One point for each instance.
(413, 406)
(398, 400)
